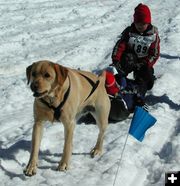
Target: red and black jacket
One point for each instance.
(146, 46)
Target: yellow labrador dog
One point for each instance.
(62, 94)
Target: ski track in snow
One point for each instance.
(81, 34)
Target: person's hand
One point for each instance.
(118, 67)
(145, 107)
(139, 65)
(116, 64)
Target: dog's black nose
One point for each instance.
(34, 86)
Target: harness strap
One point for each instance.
(94, 85)
(57, 110)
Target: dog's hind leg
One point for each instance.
(101, 116)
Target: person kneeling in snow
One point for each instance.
(138, 49)
(124, 95)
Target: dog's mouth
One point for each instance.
(40, 94)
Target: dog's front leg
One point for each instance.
(68, 143)
(36, 140)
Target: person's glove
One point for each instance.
(129, 61)
(116, 64)
(118, 67)
(140, 63)
(141, 103)
(145, 107)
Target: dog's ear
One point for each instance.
(28, 73)
(61, 73)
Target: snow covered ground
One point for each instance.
(81, 34)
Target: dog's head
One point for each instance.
(44, 76)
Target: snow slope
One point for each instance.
(81, 34)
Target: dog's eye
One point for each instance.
(46, 75)
(34, 74)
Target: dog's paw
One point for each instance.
(63, 166)
(95, 151)
(30, 169)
